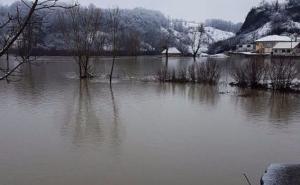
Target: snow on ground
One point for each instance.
(204, 55)
(210, 36)
(192, 24)
(221, 55)
(260, 32)
(264, 30)
(172, 50)
(276, 38)
(296, 24)
(218, 35)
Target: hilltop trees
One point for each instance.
(292, 2)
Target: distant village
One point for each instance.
(272, 45)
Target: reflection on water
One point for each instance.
(204, 94)
(283, 107)
(209, 95)
(115, 126)
(59, 130)
(86, 118)
(279, 107)
(84, 121)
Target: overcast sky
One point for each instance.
(192, 10)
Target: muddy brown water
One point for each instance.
(56, 130)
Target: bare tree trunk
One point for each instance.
(167, 54)
(114, 19)
(7, 62)
(112, 70)
(167, 63)
(194, 57)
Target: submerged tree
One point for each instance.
(23, 19)
(167, 41)
(29, 39)
(167, 38)
(114, 25)
(80, 28)
(249, 73)
(134, 43)
(196, 40)
(282, 72)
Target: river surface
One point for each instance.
(56, 130)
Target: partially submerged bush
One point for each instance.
(255, 72)
(250, 73)
(282, 72)
(192, 73)
(239, 76)
(207, 72)
(162, 75)
(180, 76)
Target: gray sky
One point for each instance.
(192, 10)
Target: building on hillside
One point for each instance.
(286, 49)
(265, 45)
(172, 52)
(245, 48)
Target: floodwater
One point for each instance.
(56, 130)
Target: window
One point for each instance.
(283, 51)
(288, 51)
(248, 46)
(275, 51)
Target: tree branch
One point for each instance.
(36, 5)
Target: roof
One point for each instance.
(274, 38)
(286, 45)
(172, 50)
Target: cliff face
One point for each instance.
(255, 19)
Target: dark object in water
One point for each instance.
(282, 174)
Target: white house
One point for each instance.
(286, 48)
(265, 45)
(172, 52)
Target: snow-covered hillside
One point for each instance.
(218, 35)
(211, 36)
(187, 33)
(141, 31)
